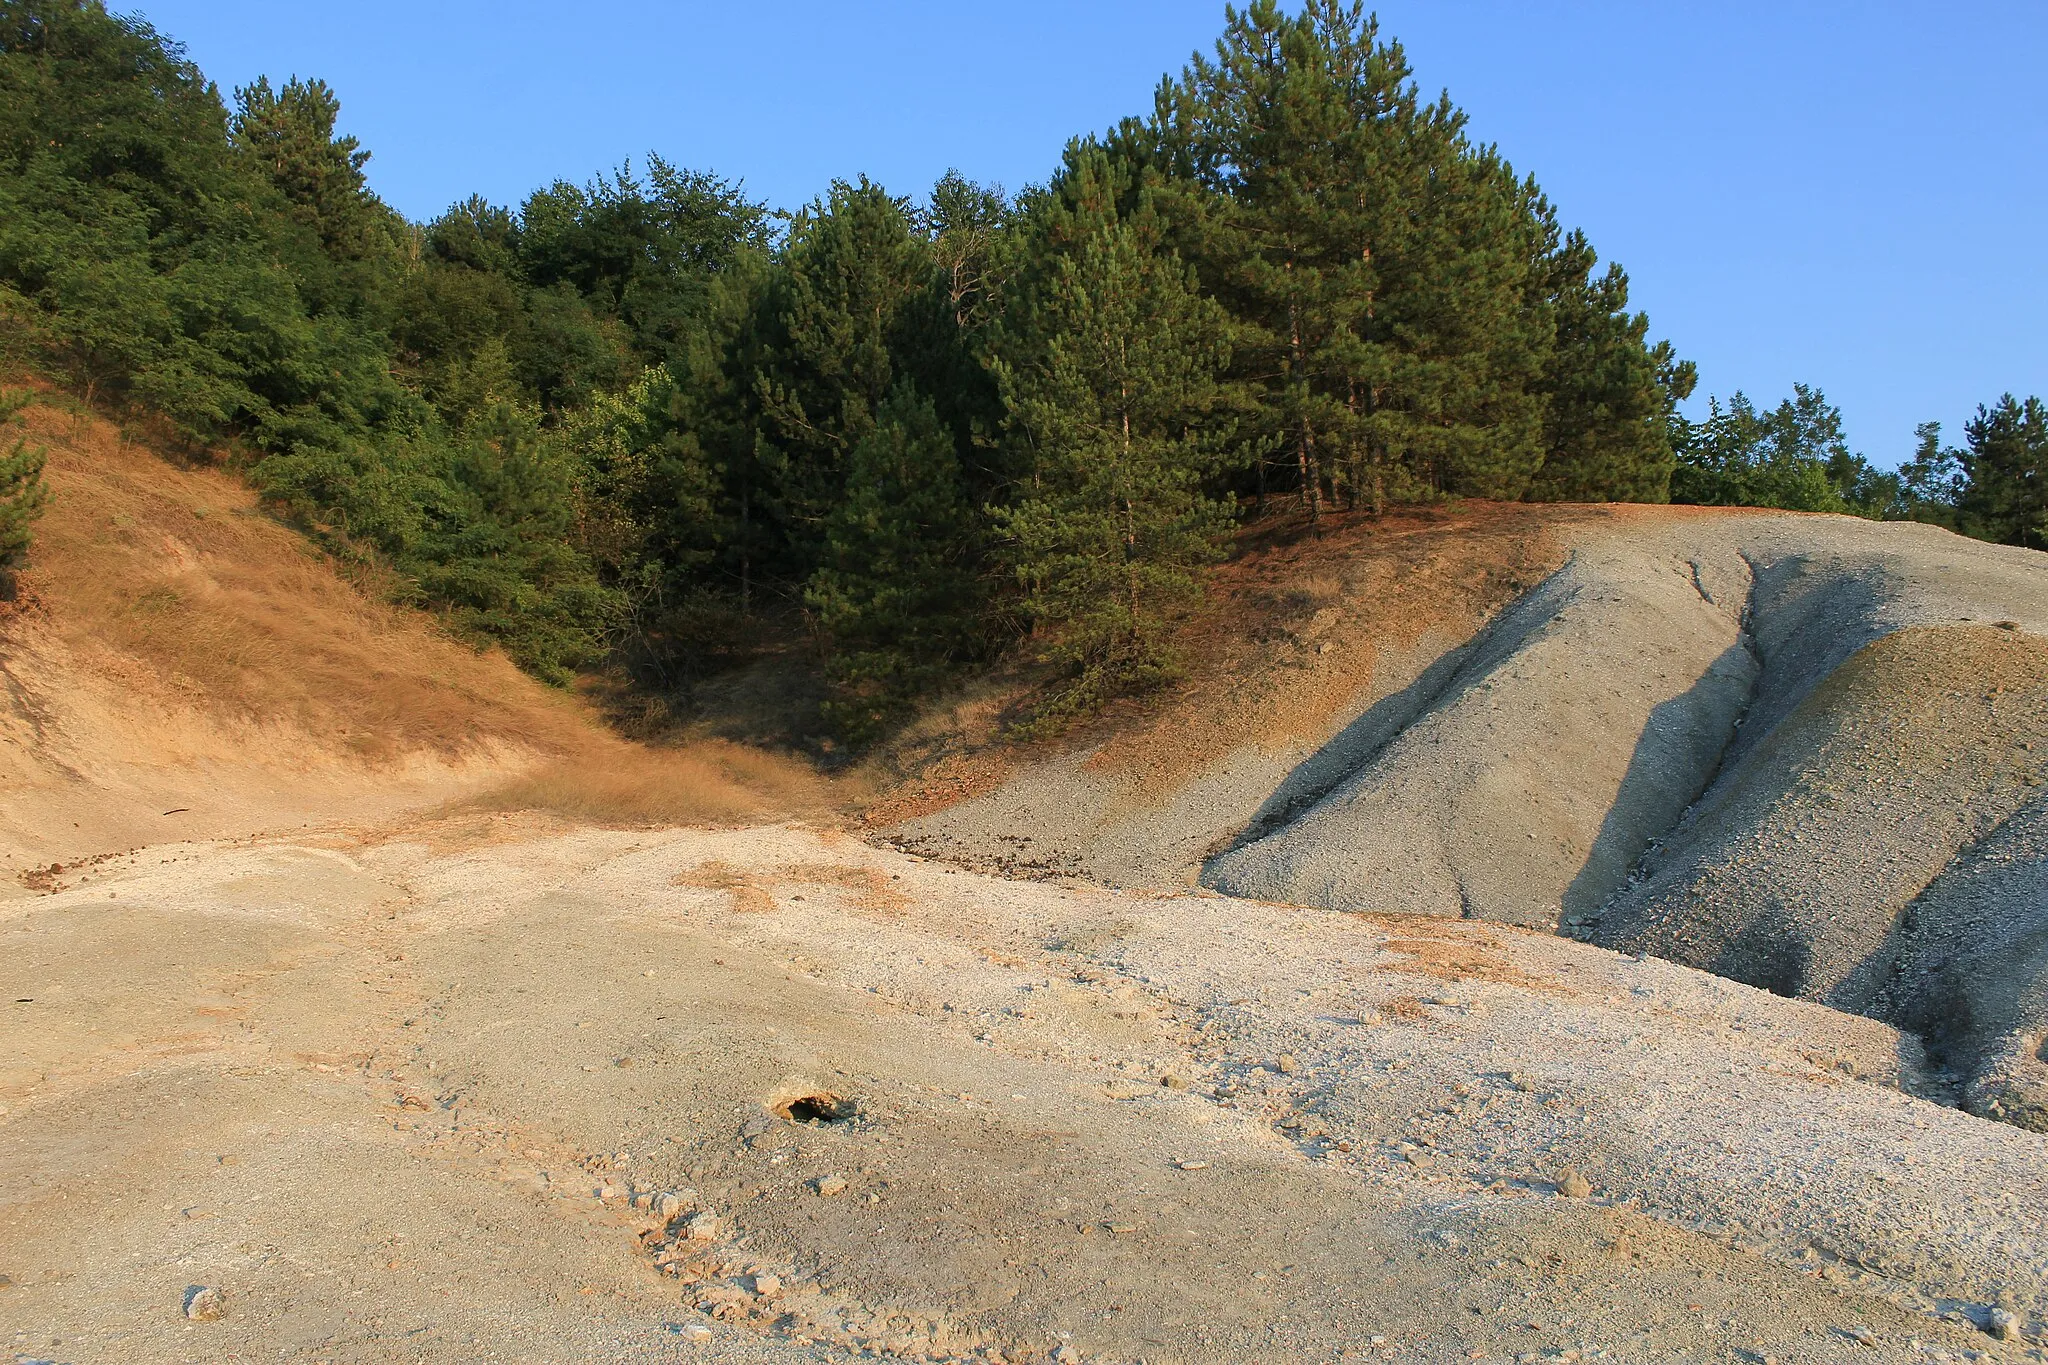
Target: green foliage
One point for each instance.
(1793, 456)
(1111, 381)
(2005, 473)
(23, 494)
(1611, 398)
(629, 416)
(896, 594)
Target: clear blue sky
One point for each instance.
(1853, 195)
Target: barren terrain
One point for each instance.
(495, 1039)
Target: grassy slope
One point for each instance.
(174, 646)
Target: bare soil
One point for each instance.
(489, 1037)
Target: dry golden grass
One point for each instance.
(870, 887)
(174, 580)
(169, 580)
(707, 783)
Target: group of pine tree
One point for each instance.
(634, 419)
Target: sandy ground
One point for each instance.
(393, 1094)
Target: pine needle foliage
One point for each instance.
(23, 495)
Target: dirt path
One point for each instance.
(372, 1087)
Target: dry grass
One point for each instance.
(718, 875)
(169, 581)
(870, 887)
(708, 783)
(172, 580)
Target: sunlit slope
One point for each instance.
(180, 665)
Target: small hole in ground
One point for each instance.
(822, 1108)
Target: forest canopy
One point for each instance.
(642, 418)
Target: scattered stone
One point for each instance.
(1572, 1185)
(2003, 1324)
(608, 1191)
(643, 1201)
(702, 1227)
(829, 1185)
(666, 1205)
(1288, 1066)
(1192, 1165)
(767, 1286)
(1173, 1082)
(694, 1331)
(205, 1303)
(1418, 1157)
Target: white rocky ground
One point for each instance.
(1802, 752)
(392, 1095)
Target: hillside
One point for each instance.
(450, 1028)
(1803, 752)
(179, 666)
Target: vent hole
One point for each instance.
(815, 1109)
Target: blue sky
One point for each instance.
(1853, 195)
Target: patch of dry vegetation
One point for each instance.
(167, 580)
(707, 783)
(172, 581)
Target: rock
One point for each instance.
(2003, 1324)
(667, 1205)
(607, 1191)
(767, 1286)
(1288, 1066)
(829, 1185)
(756, 1126)
(702, 1227)
(1418, 1157)
(1572, 1185)
(1192, 1165)
(1173, 1082)
(694, 1331)
(205, 1303)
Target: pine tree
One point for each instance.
(1793, 456)
(1384, 262)
(23, 495)
(289, 135)
(841, 314)
(1609, 396)
(2005, 465)
(1111, 376)
(896, 596)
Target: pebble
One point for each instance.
(694, 1331)
(702, 1227)
(1417, 1157)
(1288, 1066)
(1572, 1185)
(206, 1305)
(829, 1185)
(1173, 1082)
(2003, 1324)
(1192, 1165)
(767, 1286)
(667, 1205)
